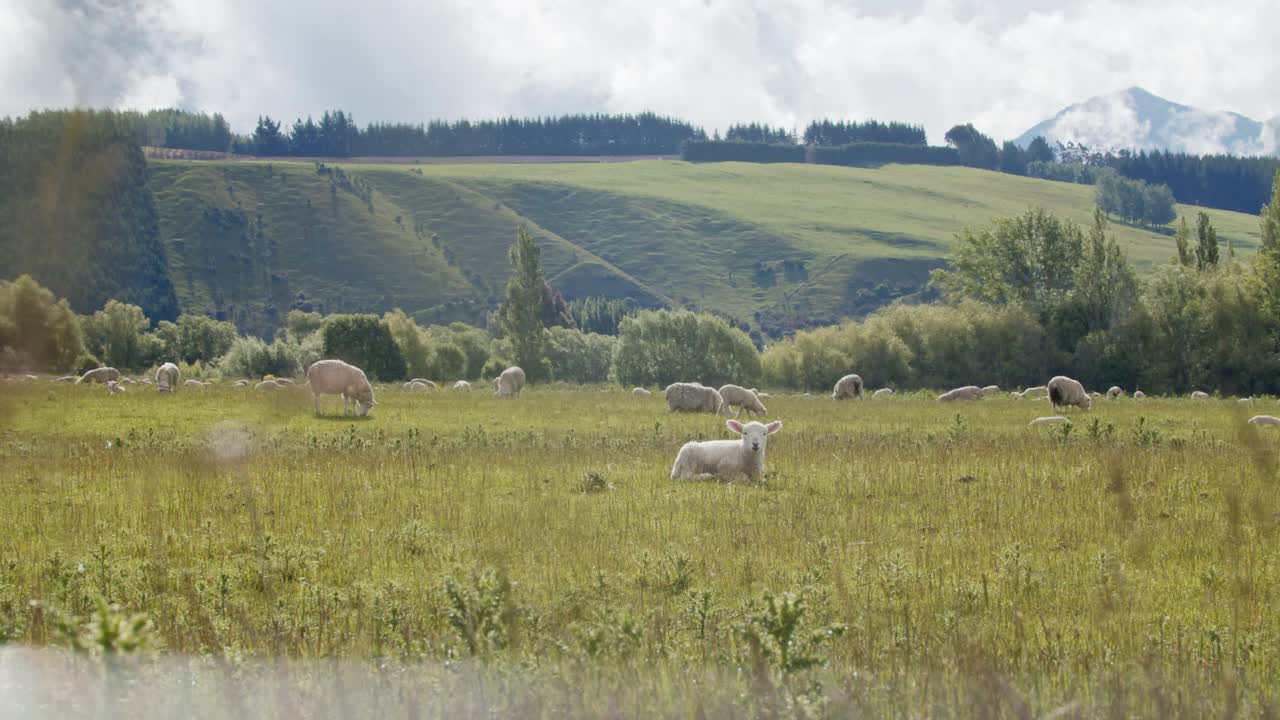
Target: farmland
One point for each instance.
(531, 557)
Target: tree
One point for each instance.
(1182, 242)
(521, 316)
(659, 347)
(267, 138)
(1013, 159)
(976, 150)
(1207, 244)
(43, 332)
(1038, 150)
(366, 342)
(114, 334)
(1105, 284)
(1271, 220)
(1030, 259)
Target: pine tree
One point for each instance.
(1271, 220)
(522, 316)
(1207, 244)
(1182, 240)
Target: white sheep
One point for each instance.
(1015, 395)
(509, 383)
(1199, 395)
(640, 392)
(694, 397)
(743, 399)
(335, 377)
(241, 383)
(1050, 420)
(193, 383)
(29, 378)
(726, 458)
(424, 381)
(1264, 420)
(167, 377)
(268, 385)
(848, 387)
(1138, 394)
(1114, 392)
(1064, 391)
(882, 392)
(1245, 400)
(114, 387)
(1032, 392)
(968, 392)
(417, 386)
(462, 385)
(286, 381)
(990, 389)
(102, 375)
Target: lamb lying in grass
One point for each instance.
(726, 458)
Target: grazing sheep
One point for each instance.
(194, 383)
(849, 386)
(1114, 392)
(1138, 394)
(417, 385)
(167, 377)
(335, 377)
(1063, 391)
(102, 375)
(989, 389)
(286, 381)
(968, 392)
(114, 387)
(1032, 392)
(1245, 400)
(424, 381)
(240, 383)
(1050, 420)
(145, 381)
(640, 392)
(1264, 420)
(743, 399)
(882, 392)
(694, 397)
(1015, 395)
(66, 378)
(267, 385)
(29, 378)
(509, 383)
(462, 385)
(1199, 395)
(724, 458)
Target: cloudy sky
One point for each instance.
(1003, 65)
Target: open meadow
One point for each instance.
(454, 553)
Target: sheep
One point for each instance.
(267, 385)
(416, 385)
(882, 392)
(990, 389)
(509, 383)
(167, 377)
(849, 386)
(462, 385)
(640, 392)
(968, 392)
(1114, 392)
(1015, 395)
(424, 381)
(1245, 400)
(1032, 392)
(723, 458)
(1199, 395)
(285, 381)
(114, 387)
(762, 396)
(1138, 394)
(1050, 420)
(102, 375)
(743, 399)
(241, 383)
(694, 397)
(1264, 420)
(1064, 391)
(193, 383)
(29, 378)
(335, 377)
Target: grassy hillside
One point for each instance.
(780, 244)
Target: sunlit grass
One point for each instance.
(1132, 555)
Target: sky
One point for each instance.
(1002, 65)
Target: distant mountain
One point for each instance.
(1137, 120)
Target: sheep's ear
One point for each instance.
(734, 425)
(774, 426)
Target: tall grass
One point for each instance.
(901, 557)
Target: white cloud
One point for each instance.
(1001, 65)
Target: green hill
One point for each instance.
(777, 244)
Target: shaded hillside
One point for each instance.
(76, 213)
(775, 246)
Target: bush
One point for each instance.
(871, 153)
(579, 357)
(659, 347)
(366, 342)
(42, 333)
(252, 358)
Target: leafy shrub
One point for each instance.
(579, 357)
(366, 342)
(659, 347)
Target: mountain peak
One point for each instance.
(1137, 119)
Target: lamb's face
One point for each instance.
(755, 436)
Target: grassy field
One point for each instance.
(530, 557)
(245, 238)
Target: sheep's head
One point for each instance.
(754, 435)
(1088, 402)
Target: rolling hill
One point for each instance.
(772, 245)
